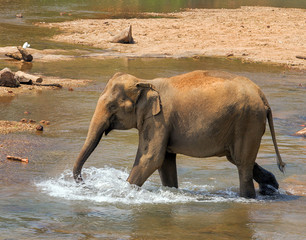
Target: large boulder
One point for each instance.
(7, 78)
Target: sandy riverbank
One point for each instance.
(258, 34)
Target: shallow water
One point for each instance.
(39, 200)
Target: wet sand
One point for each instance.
(256, 34)
(13, 126)
(67, 84)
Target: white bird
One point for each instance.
(26, 45)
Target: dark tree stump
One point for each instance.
(7, 78)
(124, 37)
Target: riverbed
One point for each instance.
(40, 200)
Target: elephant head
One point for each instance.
(124, 104)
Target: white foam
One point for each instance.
(109, 185)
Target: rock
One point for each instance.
(7, 78)
(39, 127)
(301, 133)
(32, 121)
(19, 15)
(124, 37)
(24, 120)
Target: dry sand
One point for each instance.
(258, 34)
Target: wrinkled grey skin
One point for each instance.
(199, 114)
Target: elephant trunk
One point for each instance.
(98, 125)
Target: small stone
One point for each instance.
(39, 127)
(24, 120)
(70, 89)
(32, 121)
(27, 112)
(19, 15)
(229, 54)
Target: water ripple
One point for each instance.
(109, 185)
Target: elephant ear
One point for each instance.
(152, 103)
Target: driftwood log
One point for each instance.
(22, 54)
(25, 78)
(7, 78)
(124, 37)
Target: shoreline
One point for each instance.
(254, 34)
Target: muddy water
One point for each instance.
(39, 200)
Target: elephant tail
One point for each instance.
(281, 165)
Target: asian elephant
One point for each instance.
(198, 114)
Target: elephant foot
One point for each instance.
(265, 179)
(266, 189)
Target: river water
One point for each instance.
(40, 200)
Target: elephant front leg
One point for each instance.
(168, 172)
(150, 154)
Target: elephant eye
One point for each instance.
(112, 107)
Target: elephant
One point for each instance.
(199, 114)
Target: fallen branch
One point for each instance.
(48, 85)
(25, 160)
(301, 57)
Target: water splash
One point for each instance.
(109, 185)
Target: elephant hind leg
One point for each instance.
(168, 172)
(243, 154)
(266, 180)
(247, 188)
